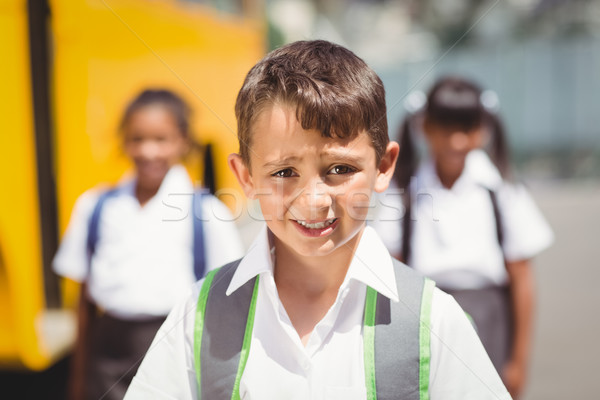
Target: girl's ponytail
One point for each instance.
(408, 158)
(498, 150)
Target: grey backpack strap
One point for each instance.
(222, 334)
(401, 349)
(497, 217)
(407, 227)
(402, 338)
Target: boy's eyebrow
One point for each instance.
(338, 155)
(344, 155)
(283, 161)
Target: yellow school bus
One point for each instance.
(69, 68)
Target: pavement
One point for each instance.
(566, 348)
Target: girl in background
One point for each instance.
(465, 223)
(138, 247)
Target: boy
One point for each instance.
(317, 309)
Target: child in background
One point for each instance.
(137, 248)
(466, 225)
(317, 309)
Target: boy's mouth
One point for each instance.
(316, 225)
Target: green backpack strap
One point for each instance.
(222, 333)
(396, 336)
(396, 339)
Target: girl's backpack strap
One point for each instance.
(497, 217)
(222, 333)
(197, 215)
(199, 247)
(407, 226)
(94, 224)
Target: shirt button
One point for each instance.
(306, 365)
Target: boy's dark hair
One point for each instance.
(452, 101)
(178, 108)
(332, 90)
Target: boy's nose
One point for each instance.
(316, 196)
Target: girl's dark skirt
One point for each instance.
(491, 311)
(116, 349)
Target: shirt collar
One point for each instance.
(175, 181)
(258, 259)
(371, 264)
(481, 170)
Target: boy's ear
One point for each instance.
(386, 168)
(242, 173)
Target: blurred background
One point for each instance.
(70, 67)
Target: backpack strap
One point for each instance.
(406, 226)
(94, 224)
(222, 333)
(397, 338)
(497, 217)
(199, 249)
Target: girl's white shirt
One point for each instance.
(143, 262)
(454, 238)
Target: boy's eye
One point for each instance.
(341, 170)
(284, 173)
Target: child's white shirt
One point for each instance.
(143, 262)
(454, 239)
(331, 364)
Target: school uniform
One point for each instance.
(331, 365)
(142, 263)
(454, 238)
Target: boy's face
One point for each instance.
(313, 191)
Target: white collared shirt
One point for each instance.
(143, 262)
(330, 366)
(454, 239)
